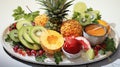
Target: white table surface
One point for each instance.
(110, 11)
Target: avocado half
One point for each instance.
(33, 46)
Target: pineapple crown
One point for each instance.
(56, 9)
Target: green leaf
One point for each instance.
(58, 57)
(40, 58)
(18, 13)
(8, 39)
(110, 44)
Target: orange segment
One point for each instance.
(104, 23)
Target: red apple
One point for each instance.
(72, 45)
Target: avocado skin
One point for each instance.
(24, 42)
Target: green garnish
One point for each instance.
(19, 13)
(102, 52)
(8, 39)
(40, 58)
(110, 45)
(58, 57)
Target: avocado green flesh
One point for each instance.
(27, 33)
(24, 42)
(14, 35)
(35, 33)
(21, 23)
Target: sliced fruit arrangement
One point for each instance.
(85, 15)
(41, 35)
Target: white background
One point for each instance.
(110, 11)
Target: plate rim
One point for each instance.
(43, 63)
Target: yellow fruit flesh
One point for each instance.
(41, 20)
(71, 28)
(52, 41)
(104, 23)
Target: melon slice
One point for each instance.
(52, 41)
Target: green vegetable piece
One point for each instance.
(58, 57)
(8, 39)
(40, 58)
(90, 54)
(102, 52)
(110, 44)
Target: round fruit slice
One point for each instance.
(84, 42)
(14, 35)
(90, 53)
(26, 34)
(85, 20)
(92, 15)
(21, 23)
(52, 41)
(24, 42)
(36, 32)
(80, 7)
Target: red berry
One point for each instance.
(28, 52)
(23, 53)
(33, 52)
(41, 52)
(19, 51)
(96, 52)
(15, 48)
(14, 25)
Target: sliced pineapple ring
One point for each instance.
(52, 41)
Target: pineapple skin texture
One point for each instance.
(41, 20)
(71, 28)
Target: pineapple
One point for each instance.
(56, 10)
(71, 28)
(41, 20)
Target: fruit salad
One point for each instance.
(52, 34)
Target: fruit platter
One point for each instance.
(56, 38)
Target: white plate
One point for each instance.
(108, 13)
(66, 61)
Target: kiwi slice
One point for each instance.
(26, 34)
(92, 15)
(36, 32)
(23, 22)
(85, 20)
(14, 35)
